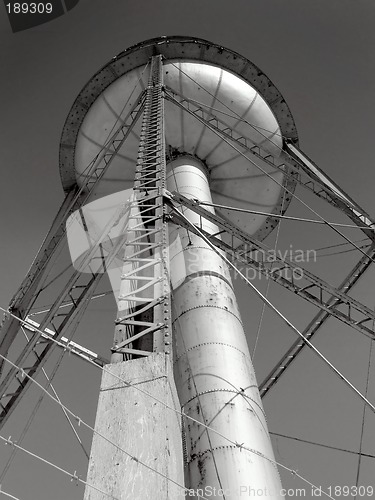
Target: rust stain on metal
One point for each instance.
(202, 470)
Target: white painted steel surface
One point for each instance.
(233, 179)
(214, 375)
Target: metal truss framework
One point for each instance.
(315, 324)
(77, 290)
(36, 351)
(144, 327)
(332, 302)
(292, 276)
(143, 323)
(296, 166)
(292, 162)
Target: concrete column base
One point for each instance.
(141, 426)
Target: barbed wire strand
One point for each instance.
(85, 424)
(34, 412)
(90, 167)
(286, 189)
(294, 438)
(253, 126)
(118, 119)
(74, 476)
(46, 308)
(180, 413)
(281, 315)
(268, 284)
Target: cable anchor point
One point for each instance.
(240, 445)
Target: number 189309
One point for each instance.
(29, 8)
(356, 491)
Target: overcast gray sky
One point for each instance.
(320, 54)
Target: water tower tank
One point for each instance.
(222, 82)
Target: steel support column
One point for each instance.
(214, 375)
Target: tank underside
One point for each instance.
(221, 83)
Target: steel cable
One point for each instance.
(180, 413)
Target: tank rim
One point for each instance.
(175, 47)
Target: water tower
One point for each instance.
(176, 303)
(164, 131)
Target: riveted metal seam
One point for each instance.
(199, 274)
(197, 456)
(208, 305)
(217, 390)
(248, 398)
(210, 343)
(226, 447)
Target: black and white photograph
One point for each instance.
(187, 250)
